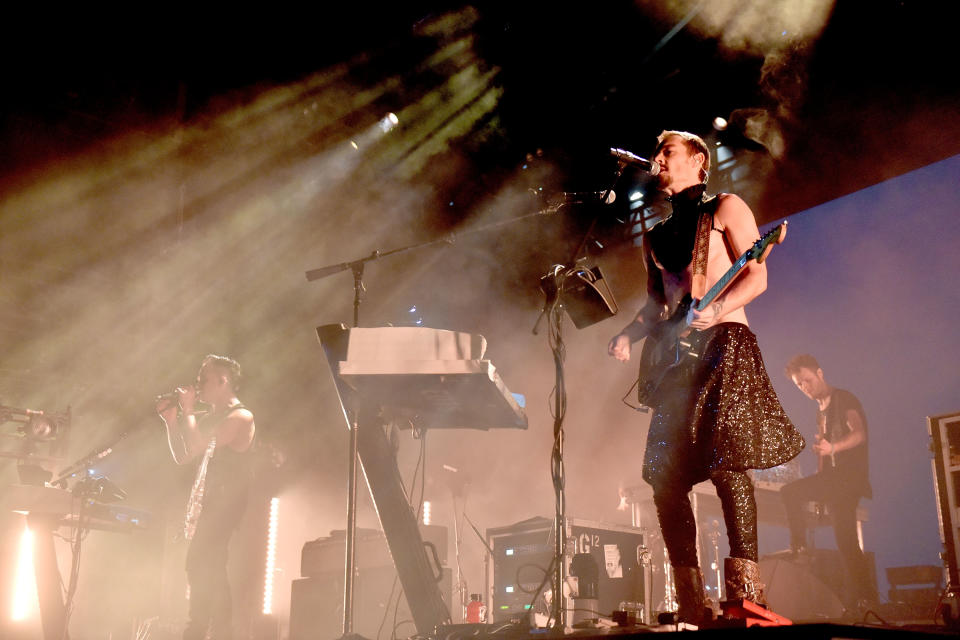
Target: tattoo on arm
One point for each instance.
(717, 309)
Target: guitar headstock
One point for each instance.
(762, 247)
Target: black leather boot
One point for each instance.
(690, 595)
(742, 580)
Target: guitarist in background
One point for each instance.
(715, 415)
(842, 476)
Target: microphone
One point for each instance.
(626, 158)
(580, 197)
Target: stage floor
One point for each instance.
(807, 631)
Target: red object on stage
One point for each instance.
(748, 614)
(476, 611)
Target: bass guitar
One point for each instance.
(673, 340)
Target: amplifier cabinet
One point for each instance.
(329, 554)
(379, 606)
(816, 589)
(522, 555)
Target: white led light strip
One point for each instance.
(271, 557)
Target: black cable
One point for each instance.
(462, 587)
(423, 470)
(558, 348)
(516, 577)
(629, 393)
(397, 625)
(547, 576)
(871, 612)
(78, 535)
(396, 613)
(598, 613)
(386, 612)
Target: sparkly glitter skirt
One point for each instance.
(718, 412)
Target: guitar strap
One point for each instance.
(701, 248)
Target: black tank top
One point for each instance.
(229, 473)
(673, 238)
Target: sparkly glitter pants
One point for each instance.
(735, 490)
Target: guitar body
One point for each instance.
(667, 346)
(672, 341)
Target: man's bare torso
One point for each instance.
(720, 258)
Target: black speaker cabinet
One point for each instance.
(811, 590)
(316, 605)
(327, 554)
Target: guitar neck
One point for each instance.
(758, 252)
(722, 283)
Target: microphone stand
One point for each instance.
(450, 238)
(461, 587)
(593, 223)
(357, 267)
(88, 460)
(553, 309)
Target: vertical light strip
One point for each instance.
(427, 512)
(271, 557)
(25, 589)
